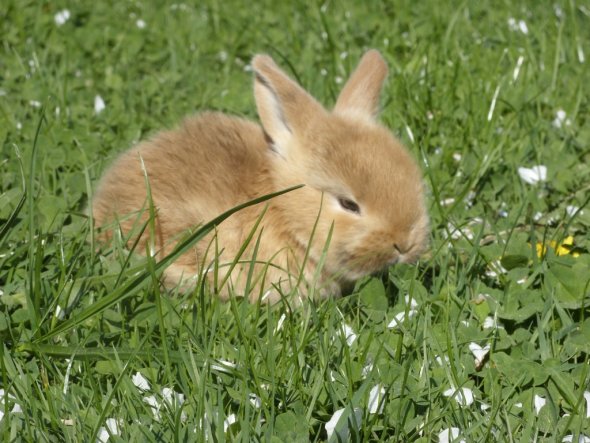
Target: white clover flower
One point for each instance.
(140, 382)
(140, 23)
(376, 403)
(98, 104)
(35, 103)
(343, 434)
(539, 403)
(463, 396)
(457, 156)
(61, 17)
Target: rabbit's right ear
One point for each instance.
(361, 91)
(285, 109)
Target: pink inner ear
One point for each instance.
(285, 109)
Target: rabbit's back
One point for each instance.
(212, 163)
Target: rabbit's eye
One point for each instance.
(349, 205)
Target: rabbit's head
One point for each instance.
(368, 186)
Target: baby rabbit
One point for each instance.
(363, 196)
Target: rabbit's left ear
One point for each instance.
(362, 90)
(285, 109)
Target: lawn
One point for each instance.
(487, 338)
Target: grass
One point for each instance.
(476, 92)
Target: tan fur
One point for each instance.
(215, 162)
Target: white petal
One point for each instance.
(280, 323)
(582, 439)
(560, 118)
(533, 175)
(478, 352)
(98, 104)
(61, 17)
(571, 210)
(539, 403)
(449, 435)
(512, 24)
(172, 397)
(587, 398)
(348, 333)
(400, 317)
(367, 369)
(409, 300)
(463, 396)
(488, 323)
(442, 360)
(343, 433)
(151, 400)
(523, 27)
(113, 429)
(255, 400)
(140, 24)
(230, 420)
(140, 382)
(375, 399)
(103, 435)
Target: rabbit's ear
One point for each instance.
(361, 92)
(285, 109)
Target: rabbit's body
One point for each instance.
(362, 189)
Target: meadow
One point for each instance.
(485, 339)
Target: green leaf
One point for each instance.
(290, 427)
